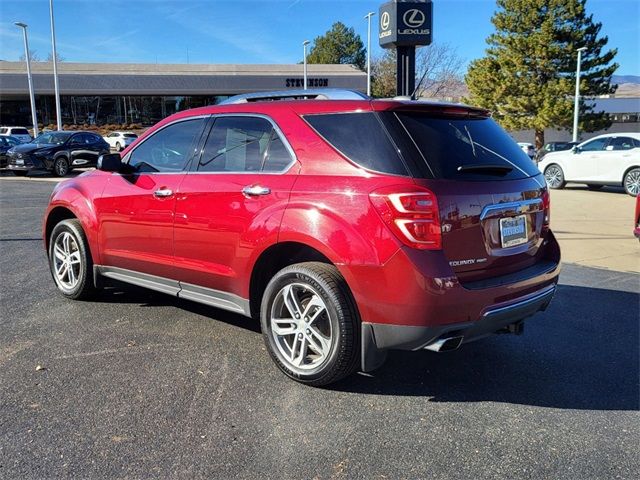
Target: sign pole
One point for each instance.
(404, 25)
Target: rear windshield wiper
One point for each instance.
(485, 168)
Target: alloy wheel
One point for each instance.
(67, 261)
(61, 166)
(632, 182)
(553, 176)
(301, 327)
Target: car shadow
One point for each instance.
(604, 189)
(582, 353)
(117, 292)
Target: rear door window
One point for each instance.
(622, 143)
(244, 144)
(361, 138)
(463, 148)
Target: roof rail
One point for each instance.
(309, 94)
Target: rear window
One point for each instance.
(19, 131)
(130, 135)
(361, 138)
(458, 148)
(4, 130)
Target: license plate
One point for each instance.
(513, 231)
(20, 161)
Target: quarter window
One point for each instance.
(243, 144)
(169, 149)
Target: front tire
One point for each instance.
(70, 261)
(631, 182)
(60, 167)
(554, 176)
(310, 323)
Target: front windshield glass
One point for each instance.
(54, 138)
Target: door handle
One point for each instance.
(255, 190)
(163, 192)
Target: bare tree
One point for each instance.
(59, 57)
(438, 66)
(34, 56)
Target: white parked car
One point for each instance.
(528, 148)
(611, 159)
(20, 133)
(120, 140)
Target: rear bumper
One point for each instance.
(378, 338)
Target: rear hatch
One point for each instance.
(492, 199)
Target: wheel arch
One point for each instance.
(272, 260)
(627, 170)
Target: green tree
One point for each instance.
(338, 45)
(528, 75)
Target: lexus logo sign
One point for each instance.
(413, 18)
(385, 19)
(405, 23)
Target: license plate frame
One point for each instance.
(518, 236)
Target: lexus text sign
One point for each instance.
(405, 23)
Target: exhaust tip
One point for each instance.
(445, 344)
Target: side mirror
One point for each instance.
(575, 149)
(110, 162)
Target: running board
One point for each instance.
(195, 293)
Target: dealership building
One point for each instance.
(119, 93)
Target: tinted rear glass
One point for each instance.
(361, 138)
(19, 131)
(130, 135)
(446, 144)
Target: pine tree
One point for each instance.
(528, 75)
(338, 45)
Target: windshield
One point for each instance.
(55, 138)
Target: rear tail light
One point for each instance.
(412, 216)
(546, 205)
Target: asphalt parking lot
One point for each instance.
(138, 384)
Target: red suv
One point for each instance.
(347, 226)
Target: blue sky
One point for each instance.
(267, 31)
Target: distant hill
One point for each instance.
(620, 79)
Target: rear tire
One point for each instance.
(592, 186)
(70, 261)
(61, 167)
(631, 182)
(118, 147)
(316, 339)
(554, 176)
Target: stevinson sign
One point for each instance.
(405, 23)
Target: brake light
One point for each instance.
(546, 205)
(411, 215)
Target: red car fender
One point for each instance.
(78, 197)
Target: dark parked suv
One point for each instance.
(57, 152)
(346, 226)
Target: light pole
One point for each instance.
(55, 67)
(576, 105)
(304, 50)
(368, 17)
(32, 96)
